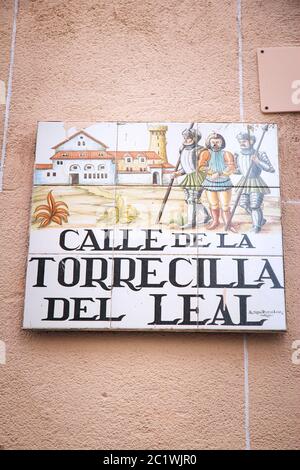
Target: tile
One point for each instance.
(143, 294)
(249, 206)
(148, 153)
(156, 205)
(75, 154)
(268, 241)
(236, 291)
(86, 208)
(68, 291)
(138, 209)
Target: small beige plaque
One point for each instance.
(279, 79)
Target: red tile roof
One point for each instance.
(161, 165)
(80, 132)
(108, 155)
(148, 154)
(168, 165)
(43, 166)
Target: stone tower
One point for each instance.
(158, 141)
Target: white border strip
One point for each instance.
(245, 338)
(246, 394)
(240, 56)
(9, 92)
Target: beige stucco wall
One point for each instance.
(157, 61)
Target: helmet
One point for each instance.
(192, 134)
(246, 136)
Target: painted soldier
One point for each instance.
(254, 188)
(193, 179)
(218, 165)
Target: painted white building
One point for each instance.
(81, 159)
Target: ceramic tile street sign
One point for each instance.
(156, 226)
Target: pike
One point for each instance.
(265, 128)
(170, 184)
